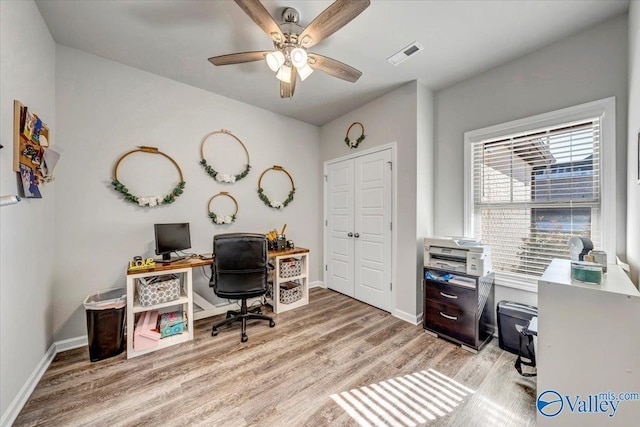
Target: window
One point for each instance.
(534, 183)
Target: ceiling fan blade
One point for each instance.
(238, 58)
(334, 68)
(336, 16)
(287, 89)
(262, 17)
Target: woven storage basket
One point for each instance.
(162, 289)
(290, 292)
(290, 267)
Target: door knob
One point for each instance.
(356, 235)
(350, 234)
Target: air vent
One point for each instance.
(405, 53)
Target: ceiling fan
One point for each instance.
(290, 58)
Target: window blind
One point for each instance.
(532, 191)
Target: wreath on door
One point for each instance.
(349, 142)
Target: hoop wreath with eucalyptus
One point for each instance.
(265, 199)
(349, 142)
(218, 176)
(147, 201)
(219, 219)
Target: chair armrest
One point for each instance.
(212, 281)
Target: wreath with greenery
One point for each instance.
(219, 219)
(276, 204)
(223, 177)
(147, 201)
(354, 144)
(220, 177)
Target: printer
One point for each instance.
(457, 254)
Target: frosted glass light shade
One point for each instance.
(275, 60)
(284, 74)
(298, 57)
(305, 71)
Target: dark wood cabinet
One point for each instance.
(460, 312)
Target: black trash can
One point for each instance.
(106, 312)
(511, 317)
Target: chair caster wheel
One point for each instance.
(244, 338)
(272, 324)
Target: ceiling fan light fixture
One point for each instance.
(304, 71)
(291, 41)
(275, 60)
(298, 57)
(284, 74)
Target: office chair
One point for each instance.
(240, 271)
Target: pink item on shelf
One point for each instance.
(145, 336)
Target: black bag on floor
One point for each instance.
(526, 343)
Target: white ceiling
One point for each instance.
(174, 38)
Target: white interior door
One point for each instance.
(340, 212)
(359, 209)
(372, 229)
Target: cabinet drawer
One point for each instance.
(464, 299)
(451, 321)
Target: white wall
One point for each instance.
(633, 187)
(27, 64)
(393, 118)
(105, 109)
(588, 66)
(424, 179)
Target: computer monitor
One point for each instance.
(171, 238)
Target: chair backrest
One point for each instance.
(240, 265)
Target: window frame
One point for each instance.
(602, 108)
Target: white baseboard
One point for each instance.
(317, 284)
(407, 317)
(21, 398)
(71, 343)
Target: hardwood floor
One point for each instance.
(334, 362)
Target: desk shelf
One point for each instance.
(164, 343)
(137, 308)
(276, 257)
(182, 269)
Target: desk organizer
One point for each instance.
(172, 323)
(290, 292)
(158, 290)
(290, 267)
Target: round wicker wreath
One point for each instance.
(218, 176)
(147, 201)
(227, 219)
(265, 199)
(354, 144)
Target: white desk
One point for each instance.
(588, 343)
(188, 297)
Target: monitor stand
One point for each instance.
(168, 259)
